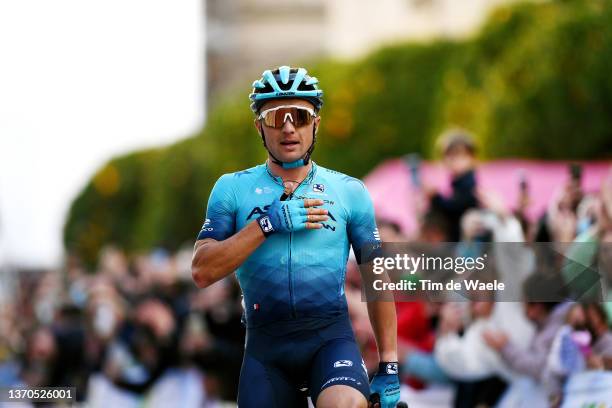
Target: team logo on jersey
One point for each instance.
(265, 190)
(318, 188)
(343, 363)
(301, 197)
(376, 234)
(257, 211)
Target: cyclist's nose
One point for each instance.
(288, 126)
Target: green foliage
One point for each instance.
(108, 208)
(533, 83)
(382, 106)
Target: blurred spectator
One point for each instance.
(70, 369)
(600, 356)
(480, 373)
(389, 231)
(567, 353)
(416, 335)
(145, 349)
(40, 358)
(548, 317)
(559, 223)
(434, 228)
(459, 152)
(532, 362)
(588, 267)
(595, 348)
(218, 330)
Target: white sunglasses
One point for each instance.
(277, 116)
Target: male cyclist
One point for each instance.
(285, 227)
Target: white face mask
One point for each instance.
(104, 320)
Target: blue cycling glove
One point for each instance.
(386, 384)
(284, 216)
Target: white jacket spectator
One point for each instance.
(468, 357)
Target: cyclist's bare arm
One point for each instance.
(213, 260)
(384, 324)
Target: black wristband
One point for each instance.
(391, 368)
(266, 225)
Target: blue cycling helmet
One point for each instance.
(286, 82)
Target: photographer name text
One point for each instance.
(428, 285)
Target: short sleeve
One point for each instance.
(220, 222)
(362, 231)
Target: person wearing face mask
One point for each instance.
(286, 227)
(600, 356)
(593, 385)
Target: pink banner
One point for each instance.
(394, 195)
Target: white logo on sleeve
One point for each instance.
(343, 363)
(391, 368)
(206, 226)
(266, 225)
(263, 190)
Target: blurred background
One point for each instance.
(466, 119)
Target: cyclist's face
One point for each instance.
(288, 143)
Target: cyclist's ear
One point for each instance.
(257, 124)
(316, 124)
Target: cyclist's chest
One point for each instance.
(256, 200)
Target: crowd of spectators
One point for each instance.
(531, 346)
(133, 330)
(136, 330)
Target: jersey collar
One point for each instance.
(307, 180)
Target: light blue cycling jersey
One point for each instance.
(296, 276)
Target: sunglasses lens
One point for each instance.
(269, 119)
(302, 117)
(276, 118)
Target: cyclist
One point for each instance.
(285, 227)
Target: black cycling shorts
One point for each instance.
(280, 371)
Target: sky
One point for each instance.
(82, 81)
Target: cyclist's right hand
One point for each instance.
(292, 215)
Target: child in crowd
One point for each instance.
(459, 152)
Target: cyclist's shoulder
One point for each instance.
(342, 181)
(337, 176)
(241, 177)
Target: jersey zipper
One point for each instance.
(289, 271)
(291, 298)
(291, 294)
